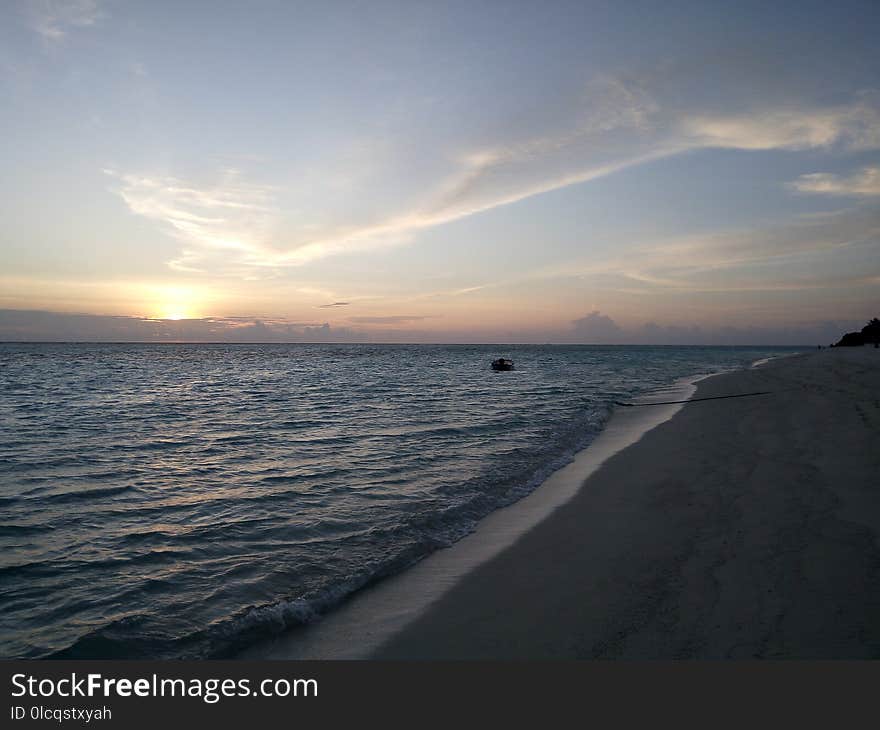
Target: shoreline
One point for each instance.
(375, 613)
(739, 528)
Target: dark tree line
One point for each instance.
(869, 335)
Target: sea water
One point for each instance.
(183, 501)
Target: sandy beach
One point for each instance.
(742, 527)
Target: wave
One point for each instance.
(11, 530)
(85, 494)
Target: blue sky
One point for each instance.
(492, 171)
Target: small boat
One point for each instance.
(502, 364)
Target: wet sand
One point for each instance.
(743, 527)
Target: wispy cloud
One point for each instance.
(781, 257)
(393, 319)
(334, 304)
(627, 127)
(588, 146)
(731, 249)
(231, 219)
(53, 19)
(233, 226)
(865, 182)
(856, 126)
(484, 179)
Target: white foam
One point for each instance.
(764, 360)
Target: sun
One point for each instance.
(176, 315)
(174, 303)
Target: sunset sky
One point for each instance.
(439, 171)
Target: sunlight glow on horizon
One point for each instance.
(174, 303)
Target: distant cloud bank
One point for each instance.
(593, 328)
(38, 326)
(600, 329)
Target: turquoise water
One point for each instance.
(187, 500)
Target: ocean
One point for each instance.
(189, 500)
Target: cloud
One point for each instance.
(334, 304)
(788, 129)
(53, 19)
(864, 182)
(596, 327)
(395, 319)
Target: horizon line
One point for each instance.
(353, 342)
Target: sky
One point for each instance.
(572, 172)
